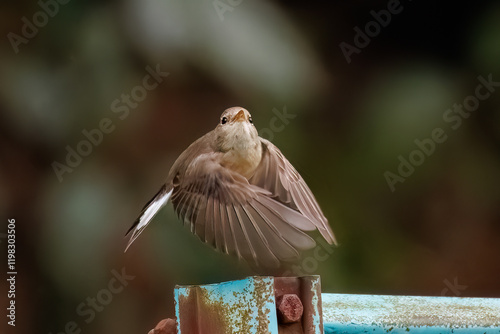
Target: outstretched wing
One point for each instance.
(148, 212)
(233, 216)
(277, 175)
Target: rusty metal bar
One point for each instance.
(345, 314)
(290, 305)
(258, 304)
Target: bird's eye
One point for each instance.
(250, 120)
(223, 120)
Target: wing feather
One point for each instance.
(210, 219)
(239, 218)
(240, 246)
(277, 175)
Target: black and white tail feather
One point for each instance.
(148, 212)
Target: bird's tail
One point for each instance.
(148, 212)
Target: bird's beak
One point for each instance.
(240, 116)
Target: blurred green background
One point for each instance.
(351, 123)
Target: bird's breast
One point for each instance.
(243, 160)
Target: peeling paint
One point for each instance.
(403, 314)
(316, 303)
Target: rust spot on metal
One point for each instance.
(290, 308)
(200, 316)
(308, 289)
(261, 290)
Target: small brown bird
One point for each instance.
(240, 194)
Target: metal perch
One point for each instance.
(286, 305)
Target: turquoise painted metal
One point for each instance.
(249, 306)
(345, 314)
(244, 306)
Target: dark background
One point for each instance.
(352, 121)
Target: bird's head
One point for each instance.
(236, 130)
